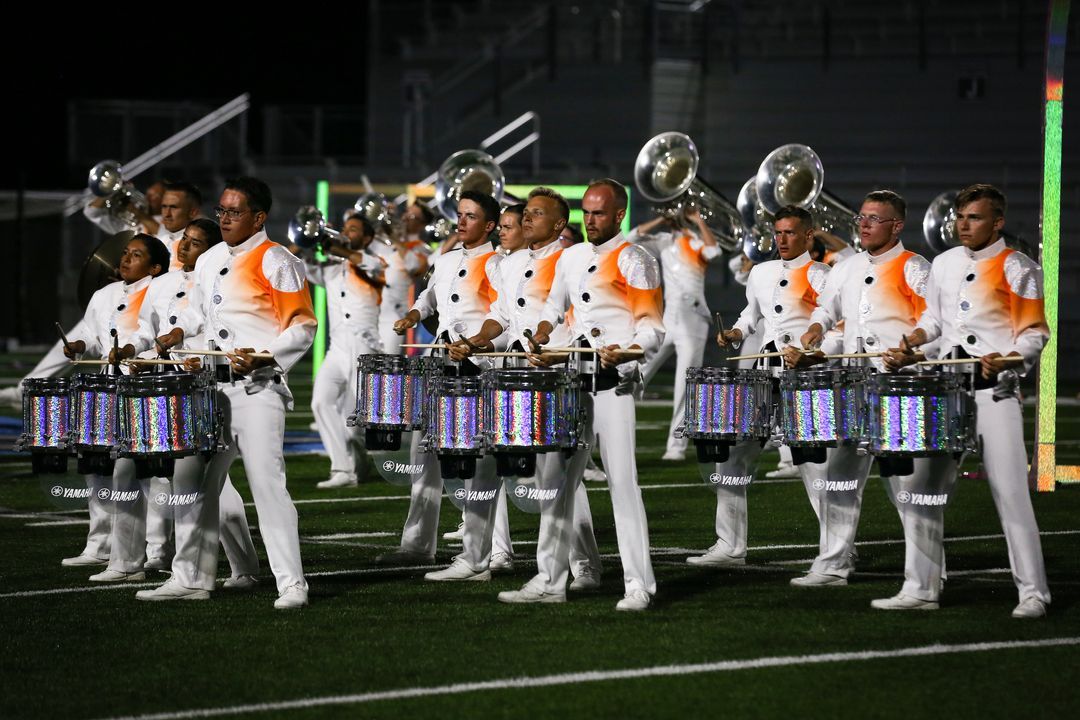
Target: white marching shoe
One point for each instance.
(293, 598)
(901, 601)
(1029, 609)
(458, 571)
(635, 601)
(172, 590)
(338, 480)
(118, 576)
(529, 594)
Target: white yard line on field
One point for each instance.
(577, 678)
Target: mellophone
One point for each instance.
(152, 418)
(511, 413)
(893, 416)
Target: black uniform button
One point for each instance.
(970, 277)
(461, 272)
(180, 294)
(869, 281)
(347, 316)
(454, 297)
(586, 297)
(172, 319)
(521, 302)
(871, 341)
(342, 293)
(971, 339)
(592, 268)
(120, 307)
(785, 338)
(783, 283)
(528, 273)
(224, 271)
(779, 308)
(223, 334)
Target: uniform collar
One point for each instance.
(987, 252)
(482, 249)
(138, 285)
(548, 249)
(610, 244)
(797, 262)
(248, 244)
(887, 256)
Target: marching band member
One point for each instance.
(250, 295)
(608, 293)
(685, 246)
(566, 539)
(147, 221)
(878, 296)
(354, 280)
(194, 565)
(113, 312)
(987, 300)
(461, 290)
(780, 295)
(180, 204)
(406, 261)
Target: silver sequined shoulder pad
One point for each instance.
(917, 273)
(818, 275)
(1024, 276)
(639, 268)
(284, 270)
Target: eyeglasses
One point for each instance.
(872, 219)
(230, 213)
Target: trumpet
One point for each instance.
(666, 172)
(308, 229)
(793, 175)
(376, 209)
(106, 180)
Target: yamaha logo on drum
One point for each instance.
(819, 484)
(402, 468)
(57, 491)
(909, 498)
(388, 466)
(161, 498)
(736, 480)
(83, 493)
(521, 491)
(103, 494)
(460, 493)
(536, 493)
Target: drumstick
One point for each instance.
(90, 362)
(221, 353)
(436, 346)
(636, 352)
(853, 355)
(966, 361)
(756, 356)
(152, 361)
(501, 354)
(63, 337)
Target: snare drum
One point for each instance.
(822, 407)
(918, 415)
(383, 393)
(531, 409)
(727, 404)
(93, 412)
(455, 409)
(46, 415)
(167, 415)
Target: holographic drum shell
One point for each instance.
(531, 409)
(727, 404)
(822, 407)
(421, 371)
(385, 395)
(46, 415)
(918, 415)
(454, 413)
(94, 417)
(167, 414)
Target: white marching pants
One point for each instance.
(484, 494)
(614, 420)
(391, 341)
(217, 515)
(736, 474)
(566, 541)
(689, 349)
(333, 398)
(1000, 426)
(421, 530)
(838, 516)
(255, 427)
(923, 523)
(99, 536)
